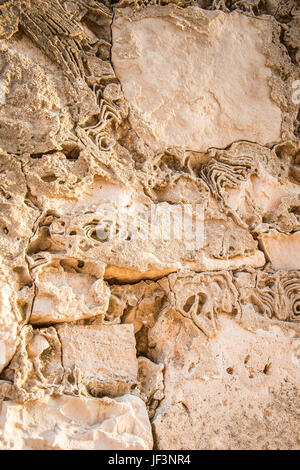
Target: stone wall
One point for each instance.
(149, 224)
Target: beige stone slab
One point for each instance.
(195, 78)
(73, 423)
(104, 355)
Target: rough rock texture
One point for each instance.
(185, 93)
(73, 423)
(104, 356)
(149, 224)
(240, 391)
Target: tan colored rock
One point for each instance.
(210, 386)
(8, 325)
(103, 356)
(151, 383)
(202, 297)
(138, 304)
(149, 222)
(253, 186)
(63, 294)
(127, 232)
(36, 368)
(35, 107)
(73, 423)
(165, 60)
(18, 214)
(274, 295)
(282, 249)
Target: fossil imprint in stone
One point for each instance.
(137, 343)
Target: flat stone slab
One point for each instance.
(73, 423)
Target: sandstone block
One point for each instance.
(104, 356)
(73, 423)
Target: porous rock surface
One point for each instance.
(178, 329)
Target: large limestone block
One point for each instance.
(73, 423)
(283, 250)
(34, 109)
(238, 390)
(195, 79)
(103, 355)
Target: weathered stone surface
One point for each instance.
(104, 356)
(272, 294)
(151, 382)
(201, 297)
(35, 106)
(17, 213)
(210, 386)
(73, 423)
(80, 228)
(8, 325)
(149, 224)
(180, 94)
(64, 294)
(283, 250)
(36, 367)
